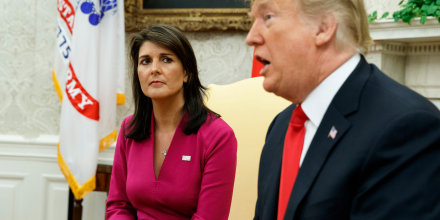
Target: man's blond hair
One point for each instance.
(352, 19)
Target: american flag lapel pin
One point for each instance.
(186, 158)
(332, 133)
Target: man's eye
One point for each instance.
(267, 17)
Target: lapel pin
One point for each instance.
(186, 158)
(332, 133)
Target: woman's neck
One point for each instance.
(167, 114)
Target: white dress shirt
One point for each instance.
(316, 103)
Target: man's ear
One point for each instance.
(327, 27)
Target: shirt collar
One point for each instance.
(316, 103)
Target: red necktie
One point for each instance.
(293, 145)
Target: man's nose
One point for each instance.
(253, 37)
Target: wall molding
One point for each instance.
(426, 48)
(18, 147)
(403, 48)
(408, 53)
(11, 185)
(54, 187)
(399, 38)
(13, 176)
(389, 47)
(388, 29)
(42, 149)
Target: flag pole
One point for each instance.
(75, 207)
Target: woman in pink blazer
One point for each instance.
(174, 158)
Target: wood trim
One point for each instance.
(236, 19)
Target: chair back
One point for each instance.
(249, 110)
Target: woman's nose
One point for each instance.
(155, 67)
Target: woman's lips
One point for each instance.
(156, 83)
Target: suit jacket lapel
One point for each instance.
(322, 145)
(274, 155)
(344, 103)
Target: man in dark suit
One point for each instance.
(369, 147)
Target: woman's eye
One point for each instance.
(145, 61)
(167, 60)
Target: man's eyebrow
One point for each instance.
(259, 6)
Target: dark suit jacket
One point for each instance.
(384, 162)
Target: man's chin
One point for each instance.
(268, 85)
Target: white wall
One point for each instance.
(31, 186)
(381, 6)
(29, 105)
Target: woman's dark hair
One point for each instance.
(172, 39)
